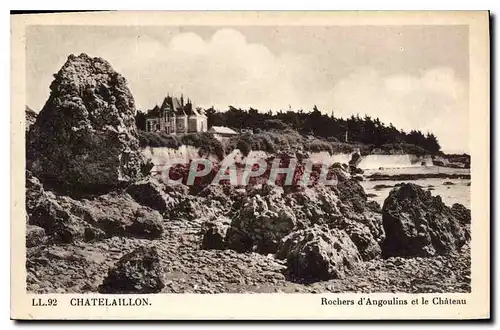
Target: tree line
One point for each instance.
(355, 129)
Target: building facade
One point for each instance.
(176, 117)
(222, 133)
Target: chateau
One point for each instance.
(175, 117)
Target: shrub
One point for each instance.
(205, 141)
(318, 146)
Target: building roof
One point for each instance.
(176, 103)
(222, 130)
(153, 113)
(174, 106)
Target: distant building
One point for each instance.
(175, 117)
(222, 132)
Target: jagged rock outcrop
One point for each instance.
(461, 213)
(419, 224)
(66, 220)
(137, 272)
(269, 213)
(85, 136)
(263, 220)
(317, 253)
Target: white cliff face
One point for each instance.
(186, 153)
(374, 161)
(164, 156)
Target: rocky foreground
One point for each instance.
(98, 222)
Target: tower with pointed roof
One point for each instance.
(175, 117)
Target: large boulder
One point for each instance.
(269, 213)
(419, 224)
(350, 191)
(136, 272)
(150, 192)
(318, 253)
(85, 138)
(58, 222)
(262, 222)
(317, 205)
(118, 214)
(66, 220)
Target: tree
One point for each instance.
(140, 120)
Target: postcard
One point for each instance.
(250, 165)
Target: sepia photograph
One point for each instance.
(251, 158)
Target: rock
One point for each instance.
(136, 272)
(316, 205)
(219, 193)
(373, 220)
(261, 223)
(341, 166)
(373, 205)
(355, 159)
(366, 244)
(381, 186)
(150, 193)
(317, 253)
(35, 236)
(419, 224)
(358, 177)
(354, 170)
(195, 209)
(350, 192)
(461, 213)
(30, 117)
(119, 215)
(66, 220)
(214, 236)
(34, 192)
(146, 225)
(58, 223)
(268, 214)
(85, 138)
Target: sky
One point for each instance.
(415, 77)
